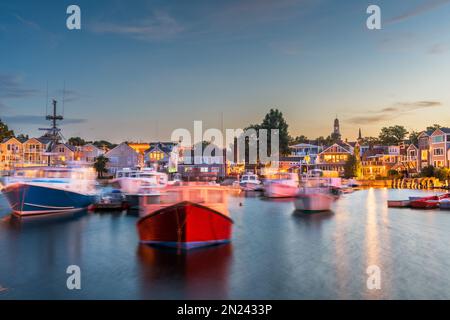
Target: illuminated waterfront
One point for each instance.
(274, 254)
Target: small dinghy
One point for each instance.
(399, 203)
(431, 202)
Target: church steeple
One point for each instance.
(360, 135)
(336, 129)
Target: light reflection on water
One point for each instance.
(275, 253)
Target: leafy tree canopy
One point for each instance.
(392, 135)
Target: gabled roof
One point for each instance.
(304, 145)
(412, 145)
(426, 133)
(8, 139)
(161, 147)
(342, 145)
(68, 146)
(33, 139)
(44, 139)
(120, 146)
(445, 130)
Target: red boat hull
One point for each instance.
(185, 225)
(428, 203)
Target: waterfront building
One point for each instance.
(379, 160)
(88, 153)
(440, 147)
(122, 156)
(334, 157)
(412, 159)
(424, 155)
(11, 153)
(62, 154)
(158, 154)
(33, 152)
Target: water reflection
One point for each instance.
(199, 274)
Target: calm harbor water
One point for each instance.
(275, 254)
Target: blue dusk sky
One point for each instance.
(139, 69)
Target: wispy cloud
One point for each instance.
(396, 110)
(159, 26)
(418, 10)
(27, 22)
(34, 119)
(439, 48)
(11, 87)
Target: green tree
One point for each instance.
(434, 127)
(414, 137)
(104, 144)
(4, 131)
(77, 141)
(358, 170)
(371, 141)
(350, 167)
(298, 140)
(442, 173)
(427, 172)
(275, 120)
(22, 137)
(334, 137)
(392, 135)
(100, 165)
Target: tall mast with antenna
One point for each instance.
(54, 132)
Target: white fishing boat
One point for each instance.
(282, 185)
(315, 195)
(250, 182)
(46, 190)
(137, 181)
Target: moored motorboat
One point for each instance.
(431, 202)
(140, 181)
(316, 195)
(185, 218)
(47, 190)
(250, 182)
(314, 201)
(110, 201)
(135, 183)
(285, 185)
(398, 203)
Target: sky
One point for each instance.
(137, 70)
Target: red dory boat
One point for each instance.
(185, 217)
(431, 202)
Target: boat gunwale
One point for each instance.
(182, 203)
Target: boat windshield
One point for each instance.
(47, 173)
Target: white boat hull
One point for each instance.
(314, 202)
(280, 190)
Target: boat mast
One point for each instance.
(54, 132)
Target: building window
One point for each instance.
(438, 164)
(437, 139)
(438, 152)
